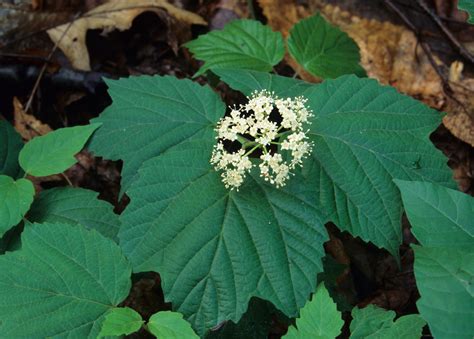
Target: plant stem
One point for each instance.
(253, 149)
(243, 140)
(282, 134)
(249, 143)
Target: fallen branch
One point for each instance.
(427, 50)
(463, 51)
(64, 78)
(43, 69)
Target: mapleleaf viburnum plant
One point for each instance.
(229, 205)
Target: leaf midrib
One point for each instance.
(455, 222)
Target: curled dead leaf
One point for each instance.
(461, 125)
(26, 124)
(455, 71)
(460, 118)
(115, 14)
(273, 9)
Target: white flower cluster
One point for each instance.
(256, 126)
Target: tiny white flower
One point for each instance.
(252, 126)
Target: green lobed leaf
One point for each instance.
(319, 318)
(120, 321)
(170, 325)
(373, 322)
(369, 320)
(324, 50)
(245, 44)
(365, 135)
(75, 206)
(54, 152)
(215, 248)
(441, 220)
(150, 115)
(468, 6)
(15, 200)
(10, 146)
(61, 283)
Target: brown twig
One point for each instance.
(426, 49)
(43, 69)
(442, 17)
(423, 45)
(251, 9)
(67, 179)
(463, 51)
(64, 78)
(22, 56)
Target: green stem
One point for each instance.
(282, 134)
(253, 149)
(243, 140)
(250, 143)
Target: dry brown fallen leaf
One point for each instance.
(26, 124)
(460, 120)
(240, 7)
(115, 14)
(461, 123)
(22, 19)
(390, 54)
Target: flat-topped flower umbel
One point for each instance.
(267, 125)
